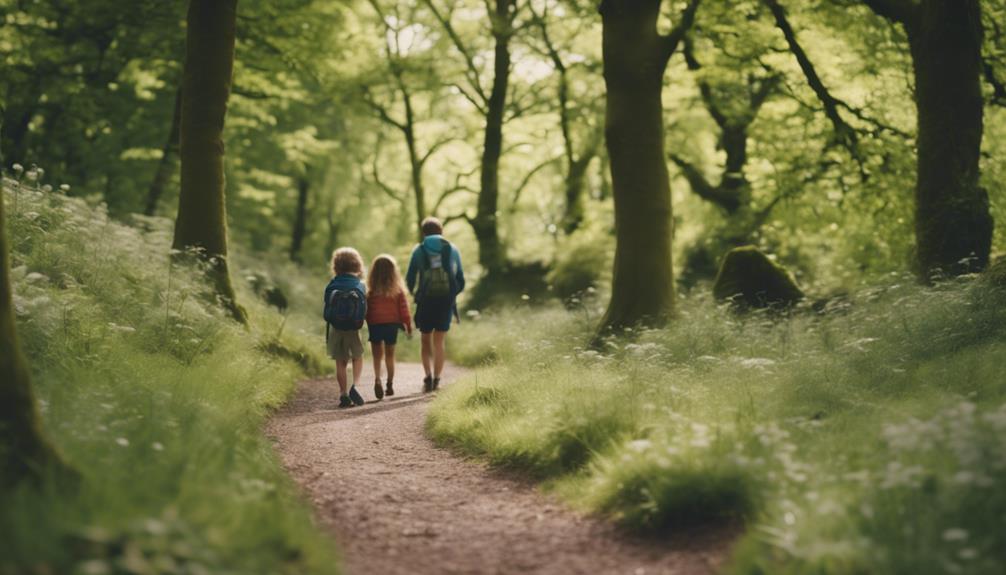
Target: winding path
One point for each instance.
(397, 504)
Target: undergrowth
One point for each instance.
(157, 399)
(867, 439)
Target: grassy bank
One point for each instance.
(869, 439)
(157, 400)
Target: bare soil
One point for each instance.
(398, 504)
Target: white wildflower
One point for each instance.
(122, 442)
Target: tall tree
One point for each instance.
(24, 449)
(492, 104)
(953, 226)
(202, 219)
(635, 57)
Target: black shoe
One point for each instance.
(436, 383)
(427, 384)
(389, 391)
(344, 401)
(355, 396)
(378, 390)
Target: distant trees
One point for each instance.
(201, 224)
(24, 449)
(635, 57)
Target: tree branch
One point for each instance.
(472, 71)
(844, 133)
(527, 180)
(726, 199)
(669, 43)
(899, 11)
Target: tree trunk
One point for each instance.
(24, 450)
(415, 164)
(953, 226)
(202, 217)
(492, 256)
(300, 219)
(642, 290)
(166, 167)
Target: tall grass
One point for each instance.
(866, 439)
(157, 399)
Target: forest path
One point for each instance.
(398, 504)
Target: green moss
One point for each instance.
(749, 278)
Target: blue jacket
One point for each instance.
(345, 282)
(433, 244)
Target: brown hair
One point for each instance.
(431, 226)
(384, 278)
(347, 261)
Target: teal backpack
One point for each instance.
(435, 278)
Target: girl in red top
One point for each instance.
(387, 312)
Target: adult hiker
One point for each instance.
(435, 279)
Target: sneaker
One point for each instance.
(378, 390)
(427, 384)
(355, 396)
(389, 391)
(436, 384)
(344, 401)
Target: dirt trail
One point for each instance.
(398, 504)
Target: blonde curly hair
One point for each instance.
(347, 260)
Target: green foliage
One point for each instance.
(156, 399)
(857, 440)
(581, 262)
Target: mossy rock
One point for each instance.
(748, 278)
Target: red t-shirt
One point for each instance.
(388, 309)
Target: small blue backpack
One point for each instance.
(346, 308)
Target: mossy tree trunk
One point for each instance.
(166, 167)
(635, 57)
(24, 450)
(202, 218)
(953, 226)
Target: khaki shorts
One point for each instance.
(344, 345)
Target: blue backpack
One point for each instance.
(346, 308)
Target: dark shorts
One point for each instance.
(386, 333)
(434, 315)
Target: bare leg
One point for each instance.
(357, 369)
(427, 352)
(390, 362)
(340, 376)
(438, 353)
(377, 347)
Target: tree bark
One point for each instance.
(24, 449)
(300, 219)
(485, 224)
(166, 167)
(635, 57)
(953, 226)
(206, 83)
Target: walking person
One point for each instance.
(345, 311)
(435, 278)
(387, 312)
